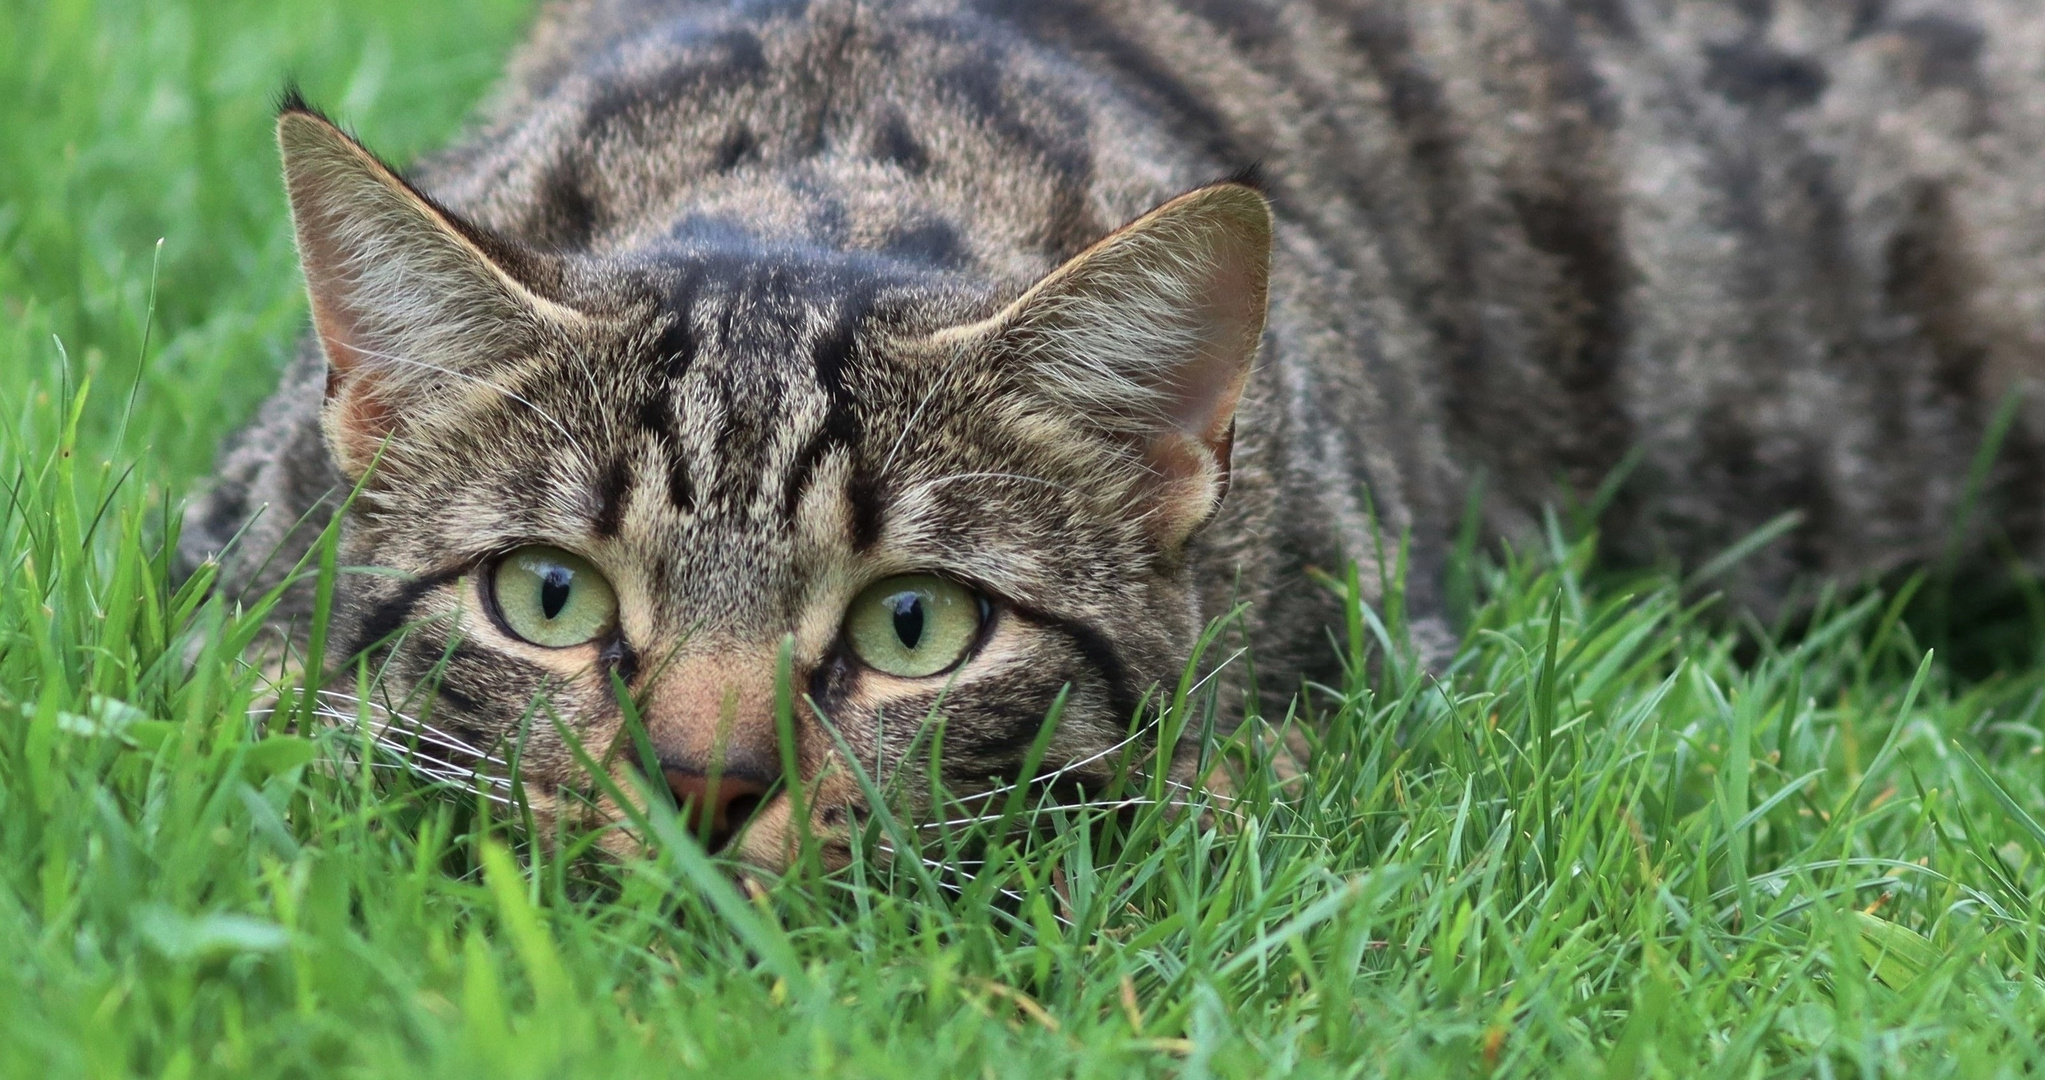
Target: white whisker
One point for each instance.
(410, 725)
(1218, 668)
(411, 745)
(1109, 804)
(903, 435)
(1060, 771)
(948, 868)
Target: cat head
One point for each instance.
(652, 482)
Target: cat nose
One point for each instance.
(714, 809)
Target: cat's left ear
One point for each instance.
(411, 304)
(1150, 335)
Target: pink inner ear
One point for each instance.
(1178, 458)
(1191, 458)
(338, 334)
(362, 420)
(1206, 387)
(396, 285)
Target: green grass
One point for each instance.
(1616, 839)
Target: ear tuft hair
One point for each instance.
(1250, 176)
(289, 100)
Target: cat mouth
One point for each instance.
(716, 808)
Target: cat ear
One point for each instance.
(1150, 335)
(404, 294)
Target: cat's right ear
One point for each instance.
(406, 298)
(1148, 336)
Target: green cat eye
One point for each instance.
(914, 625)
(552, 598)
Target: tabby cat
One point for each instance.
(985, 350)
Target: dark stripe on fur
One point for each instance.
(446, 696)
(677, 344)
(990, 738)
(1928, 280)
(1569, 213)
(864, 494)
(1078, 27)
(613, 492)
(676, 348)
(832, 357)
(1948, 51)
(838, 430)
(730, 58)
(1093, 647)
(565, 217)
(738, 148)
(1054, 136)
(656, 418)
(388, 617)
(1250, 25)
(1752, 72)
(448, 692)
(930, 242)
(895, 143)
(1580, 230)
(1418, 104)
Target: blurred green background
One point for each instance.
(126, 122)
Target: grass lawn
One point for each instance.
(1615, 839)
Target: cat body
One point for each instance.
(1119, 316)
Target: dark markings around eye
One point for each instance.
(620, 657)
(446, 696)
(1098, 652)
(391, 615)
(464, 680)
(464, 663)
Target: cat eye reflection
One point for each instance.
(552, 598)
(915, 625)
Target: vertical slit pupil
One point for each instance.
(908, 619)
(554, 585)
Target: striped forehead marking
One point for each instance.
(735, 328)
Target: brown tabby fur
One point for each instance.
(726, 298)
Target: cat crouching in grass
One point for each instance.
(952, 361)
